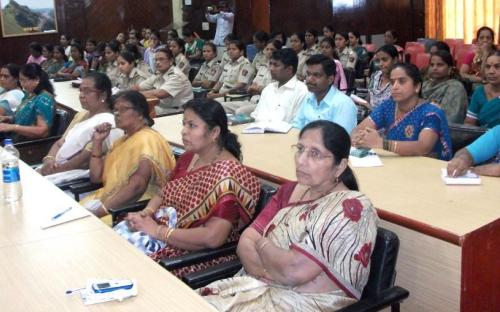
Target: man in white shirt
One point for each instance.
(281, 99)
(224, 19)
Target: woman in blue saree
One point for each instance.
(34, 116)
(406, 124)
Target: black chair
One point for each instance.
(380, 291)
(266, 192)
(33, 151)
(463, 135)
(378, 294)
(79, 188)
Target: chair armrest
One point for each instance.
(204, 277)
(79, 188)
(116, 213)
(386, 298)
(198, 256)
(66, 185)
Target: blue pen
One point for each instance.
(61, 213)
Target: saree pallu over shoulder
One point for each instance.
(337, 232)
(124, 158)
(195, 194)
(408, 127)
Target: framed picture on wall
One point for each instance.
(28, 17)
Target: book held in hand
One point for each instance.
(267, 126)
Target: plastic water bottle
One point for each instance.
(12, 189)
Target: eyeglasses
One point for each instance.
(87, 91)
(122, 110)
(313, 154)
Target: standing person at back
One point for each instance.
(224, 19)
(281, 99)
(324, 101)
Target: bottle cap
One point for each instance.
(7, 142)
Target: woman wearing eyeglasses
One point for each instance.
(72, 151)
(138, 163)
(311, 245)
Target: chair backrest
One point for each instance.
(460, 52)
(422, 60)
(383, 263)
(266, 192)
(463, 135)
(62, 120)
(251, 52)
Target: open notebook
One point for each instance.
(266, 126)
(64, 215)
(469, 178)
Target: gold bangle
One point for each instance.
(169, 233)
(104, 208)
(264, 244)
(158, 230)
(395, 146)
(48, 157)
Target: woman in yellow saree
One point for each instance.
(310, 248)
(138, 163)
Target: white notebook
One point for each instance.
(469, 178)
(363, 158)
(64, 215)
(261, 127)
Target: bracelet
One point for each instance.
(48, 157)
(104, 208)
(385, 144)
(168, 234)
(264, 244)
(395, 146)
(158, 230)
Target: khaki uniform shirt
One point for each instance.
(259, 60)
(210, 71)
(348, 58)
(113, 73)
(225, 59)
(135, 77)
(239, 71)
(182, 63)
(175, 83)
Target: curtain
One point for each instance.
(460, 18)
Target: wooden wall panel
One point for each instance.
(365, 16)
(97, 19)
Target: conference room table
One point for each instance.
(450, 235)
(37, 266)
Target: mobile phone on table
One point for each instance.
(112, 285)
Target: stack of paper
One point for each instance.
(360, 158)
(261, 127)
(469, 178)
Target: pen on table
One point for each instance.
(61, 213)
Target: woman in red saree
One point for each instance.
(310, 248)
(211, 191)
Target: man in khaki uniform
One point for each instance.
(170, 85)
(210, 70)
